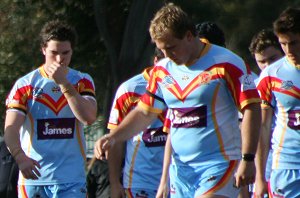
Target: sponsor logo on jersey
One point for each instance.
(247, 82)
(154, 137)
(204, 78)
(172, 189)
(58, 128)
(278, 193)
(185, 77)
(211, 178)
(192, 117)
(55, 89)
(37, 92)
(294, 119)
(286, 85)
(168, 81)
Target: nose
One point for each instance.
(59, 58)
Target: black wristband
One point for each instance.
(248, 157)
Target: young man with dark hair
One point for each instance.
(265, 48)
(46, 110)
(279, 89)
(211, 32)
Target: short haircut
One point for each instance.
(59, 31)
(212, 32)
(288, 21)
(171, 19)
(262, 40)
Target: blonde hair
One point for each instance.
(171, 19)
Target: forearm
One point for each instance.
(251, 129)
(167, 161)
(12, 141)
(85, 110)
(264, 143)
(137, 120)
(115, 158)
(13, 122)
(261, 157)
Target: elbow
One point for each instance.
(90, 120)
(91, 117)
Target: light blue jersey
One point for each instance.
(145, 151)
(203, 100)
(51, 134)
(279, 87)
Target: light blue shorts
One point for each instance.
(285, 183)
(69, 190)
(216, 179)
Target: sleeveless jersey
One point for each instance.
(203, 100)
(279, 87)
(51, 134)
(145, 151)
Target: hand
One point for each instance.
(28, 167)
(261, 188)
(245, 173)
(117, 191)
(57, 72)
(162, 191)
(102, 145)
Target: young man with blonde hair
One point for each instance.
(203, 86)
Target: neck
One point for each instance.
(196, 51)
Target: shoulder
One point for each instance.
(132, 84)
(274, 68)
(28, 78)
(227, 55)
(79, 74)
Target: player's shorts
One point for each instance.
(216, 179)
(69, 190)
(140, 193)
(285, 183)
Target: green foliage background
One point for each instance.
(105, 46)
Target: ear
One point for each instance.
(44, 50)
(155, 60)
(189, 35)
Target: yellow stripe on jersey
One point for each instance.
(218, 132)
(133, 161)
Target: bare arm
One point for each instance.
(115, 158)
(13, 123)
(84, 109)
(250, 134)
(137, 120)
(163, 189)
(262, 152)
